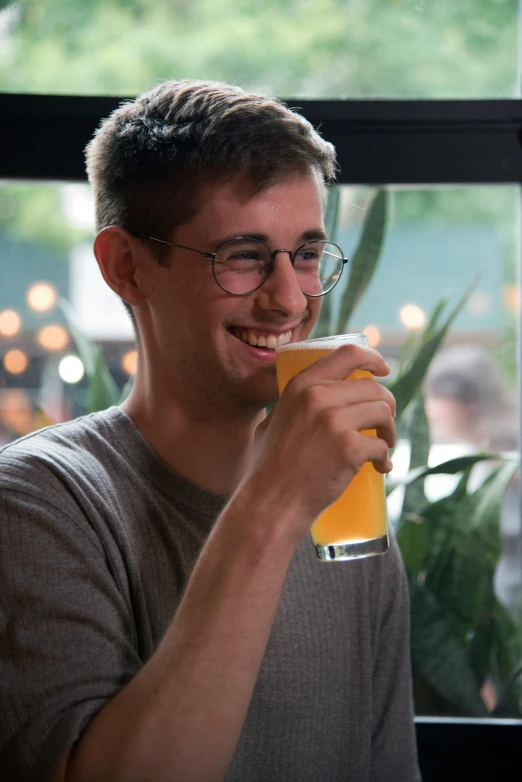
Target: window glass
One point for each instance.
(466, 602)
(299, 48)
(459, 532)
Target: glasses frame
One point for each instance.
(267, 269)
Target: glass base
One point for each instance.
(340, 552)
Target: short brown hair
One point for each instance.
(148, 159)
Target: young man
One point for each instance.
(163, 613)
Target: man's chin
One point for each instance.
(261, 398)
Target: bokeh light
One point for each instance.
(412, 316)
(71, 369)
(373, 335)
(41, 297)
(10, 323)
(53, 337)
(16, 411)
(129, 362)
(479, 303)
(15, 362)
(511, 297)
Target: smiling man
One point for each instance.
(163, 615)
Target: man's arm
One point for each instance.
(181, 716)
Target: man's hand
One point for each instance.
(312, 445)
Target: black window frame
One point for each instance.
(379, 142)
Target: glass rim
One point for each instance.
(347, 339)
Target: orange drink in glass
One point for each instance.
(355, 525)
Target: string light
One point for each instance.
(412, 316)
(10, 323)
(53, 337)
(41, 297)
(71, 369)
(129, 362)
(373, 335)
(15, 362)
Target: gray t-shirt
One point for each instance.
(98, 537)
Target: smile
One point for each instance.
(266, 341)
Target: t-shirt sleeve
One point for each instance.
(67, 635)
(394, 750)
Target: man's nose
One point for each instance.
(281, 291)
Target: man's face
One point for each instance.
(201, 336)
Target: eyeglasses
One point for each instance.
(241, 265)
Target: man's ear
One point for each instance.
(116, 253)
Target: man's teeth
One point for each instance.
(270, 341)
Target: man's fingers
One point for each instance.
(374, 450)
(338, 393)
(369, 416)
(341, 362)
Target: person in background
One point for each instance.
(469, 402)
(163, 615)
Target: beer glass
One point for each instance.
(355, 525)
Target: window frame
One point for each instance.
(379, 142)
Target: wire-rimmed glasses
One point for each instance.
(241, 265)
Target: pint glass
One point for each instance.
(355, 525)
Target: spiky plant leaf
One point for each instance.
(437, 654)
(408, 385)
(366, 257)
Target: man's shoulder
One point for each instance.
(63, 447)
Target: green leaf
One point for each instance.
(438, 655)
(412, 538)
(481, 644)
(366, 257)
(125, 391)
(406, 350)
(506, 663)
(460, 463)
(508, 642)
(331, 215)
(409, 384)
(103, 391)
(414, 497)
(87, 349)
(451, 467)
(414, 340)
(331, 224)
(488, 498)
(444, 522)
(435, 316)
(464, 548)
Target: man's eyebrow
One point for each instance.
(308, 236)
(315, 233)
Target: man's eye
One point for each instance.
(308, 255)
(244, 256)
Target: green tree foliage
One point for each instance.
(297, 48)
(35, 214)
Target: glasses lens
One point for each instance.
(318, 266)
(242, 265)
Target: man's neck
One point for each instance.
(212, 453)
